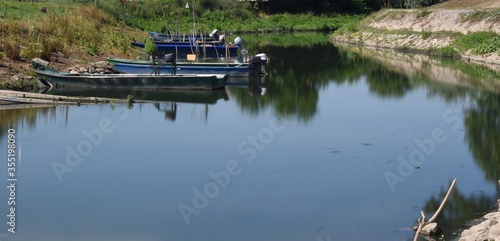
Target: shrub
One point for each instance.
(479, 42)
(487, 46)
(12, 50)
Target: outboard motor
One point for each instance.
(257, 65)
(239, 41)
(214, 35)
(263, 57)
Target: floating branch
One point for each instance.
(422, 223)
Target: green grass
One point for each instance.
(15, 10)
(426, 34)
(479, 42)
(79, 29)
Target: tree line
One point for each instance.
(338, 6)
(316, 7)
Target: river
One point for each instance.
(333, 145)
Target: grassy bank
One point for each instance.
(64, 29)
(65, 33)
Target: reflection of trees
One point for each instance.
(387, 83)
(297, 73)
(482, 125)
(26, 116)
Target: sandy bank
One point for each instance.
(424, 30)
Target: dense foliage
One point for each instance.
(204, 15)
(177, 16)
(339, 6)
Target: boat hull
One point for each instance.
(144, 81)
(233, 70)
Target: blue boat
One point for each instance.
(219, 50)
(253, 67)
(212, 48)
(176, 37)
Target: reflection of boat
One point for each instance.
(184, 96)
(170, 110)
(52, 78)
(254, 86)
(254, 66)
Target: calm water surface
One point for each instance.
(333, 146)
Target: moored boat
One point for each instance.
(177, 37)
(214, 49)
(254, 66)
(55, 79)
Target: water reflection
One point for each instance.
(170, 110)
(26, 116)
(298, 71)
(482, 133)
(184, 96)
(395, 75)
(319, 177)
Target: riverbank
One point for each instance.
(485, 228)
(436, 31)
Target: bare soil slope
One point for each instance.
(438, 19)
(468, 4)
(429, 28)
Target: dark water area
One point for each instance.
(330, 145)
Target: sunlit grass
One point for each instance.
(82, 29)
